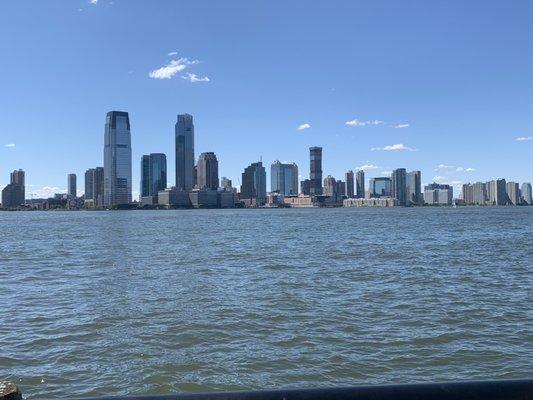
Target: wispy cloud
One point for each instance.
(172, 68)
(439, 178)
(401, 126)
(393, 147)
(367, 167)
(10, 145)
(356, 122)
(470, 169)
(95, 2)
(173, 53)
(301, 127)
(523, 138)
(195, 78)
(444, 166)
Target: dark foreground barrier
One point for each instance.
(521, 389)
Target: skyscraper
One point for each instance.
(513, 193)
(253, 188)
(349, 189)
(18, 177)
(117, 159)
(207, 171)
(398, 187)
(13, 195)
(184, 132)
(360, 184)
(72, 186)
(89, 182)
(98, 187)
(497, 192)
(315, 170)
(468, 193)
(479, 193)
(437, 194)
(153, 174)
(526, 193)
(380, 187)
(330, 186)
(414, 188)
(284, 178)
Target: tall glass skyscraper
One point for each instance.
(399, 186)
(414, 188)
(380, 187)
(315, 170)
(284, 178)
(72, 185)
(360, 184)
(349, 190)
(253, 188)
(153, 174)
(117, 159)
(184, 131)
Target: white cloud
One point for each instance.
(172, 68)
(301, 127)
(195, 78)
(444, 166)
(95, 2)
(459, 169)
(173, 53)
(470, 169)
(367, 167)
(45, 192)
(356, 122)
(393, 147)
(10, 145)
(523, 138)
(401, 126)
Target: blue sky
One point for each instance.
(440, 86)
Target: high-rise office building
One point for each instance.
(117, 159)
(153, 174)
(284, 178)
(513, 193)
(341, 189)
(225, 183)
(350, 186)
(479, 195)
(72, 185)
(437, 194)
(414, 188)
(89, 182)
(98, 187)
(253, 188)
(207, 171)
(497, 190)
(468, 193)
(360, 184)
(13, 195)
(527, 196)
(380, 187)
(315, 170)
(330, 186)
(184, 131)
(398, 186)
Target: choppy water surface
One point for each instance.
(96, 303)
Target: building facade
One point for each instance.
(414, 188)
(253, 188)
(379, 187)
(360, 184)
(497, 192)
(89, 182)
(315, 170)
(72, 185)
(207, 171)
(399, 186)
(13, 195)
(117, 159)
(350, 184)
(184, 135)
(153, 174)
(513, 193)
(437, 194)
(284, 178)
(226, 183)
(527, 196)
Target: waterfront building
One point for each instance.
(98, 187)
(315, 170)
(527, 197)
(414, 188)
(253, 188)
(513, 193)
(341, 189)
(468, 193)
(438, 194)
(479, 193)
(203, 198)
(13, 195)
(18, 177)
(330, 186)
(379, 187)
(174, 198)
(184, 135)
(497, 191)
(372, 202)
(117, 159)
(153, 174)
(399, 185)
(207, 171)
(72, 186)
(225, 183)
(360, 184)
(349, 190)
(89, 183)
(284, 178)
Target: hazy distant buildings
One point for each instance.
(207, 171)
(184, 135)
(350, 184)
(284, 178)
(315, 171)
(372, 202)
(379, 187)
(117, 159)
(253, 188)
(360, 184)
(153, 174)
(414, 188)
(399, 186)
(479, 193)
(13, 195)
(72, 185)
(225, 183)
(437, 194)
(527, 196)
(513, 193)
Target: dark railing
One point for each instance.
(520, 389)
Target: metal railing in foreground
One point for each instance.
(519, 389)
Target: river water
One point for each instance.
(151, 302)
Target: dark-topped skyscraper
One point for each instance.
(184, 131)
(72, 185)
(153, 174)
(350, 188)
(89, 182)
(399, 186)
(315, 170)
(360, 184)
(207, 171)
(253, 188)
(117, 159)
(13, 195)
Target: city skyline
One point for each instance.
(385, 97)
